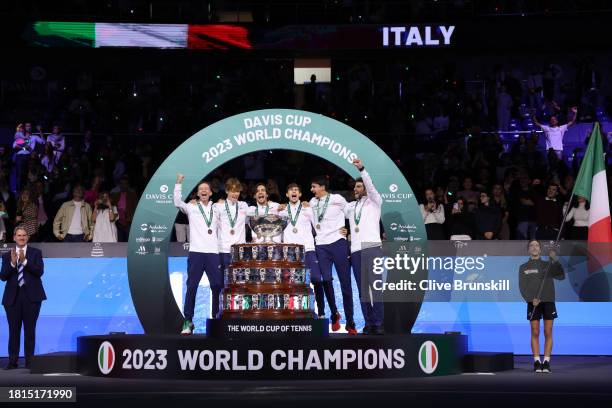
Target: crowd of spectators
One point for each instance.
(386, 100)
(478, 186)
(64, 191)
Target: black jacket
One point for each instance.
(531, 274)
(488, 219)
(33, 270)
(462, 223)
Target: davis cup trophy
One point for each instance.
(267, 280)
(267, 289)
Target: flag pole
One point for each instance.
(595, 125)
(541, 288)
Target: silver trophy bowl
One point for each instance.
(268, 226)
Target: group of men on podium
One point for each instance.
(318, 225)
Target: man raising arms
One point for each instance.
(554, 133)
(364, 220)
(203, 256)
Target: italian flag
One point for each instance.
(592, 184)
(429, 356)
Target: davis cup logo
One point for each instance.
(106, 357)
(149, 219)
(428, 357)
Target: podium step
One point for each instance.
(487, 362)
(59, 362)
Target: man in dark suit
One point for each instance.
(23, 295)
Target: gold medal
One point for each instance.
(318, 226)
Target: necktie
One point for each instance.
(20, 267)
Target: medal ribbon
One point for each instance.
(257, 210)
(297, 214)
(206, 220)
(356, 216)
(322, 214)
(229, 215)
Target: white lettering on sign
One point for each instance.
(419, 36)
(266, 129)
(286, 360)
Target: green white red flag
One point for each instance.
(592, 184)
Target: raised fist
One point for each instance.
(358, 163)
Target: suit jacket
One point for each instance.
(32, 272)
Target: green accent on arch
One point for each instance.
(218, 143)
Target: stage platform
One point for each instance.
(274, 358)
(576, 382)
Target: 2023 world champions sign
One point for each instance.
(233, 137)
(198, 357)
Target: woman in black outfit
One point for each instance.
(488, 218)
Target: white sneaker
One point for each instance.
(188, 328)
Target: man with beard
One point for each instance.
(364, 220)
(262, 208)
(299, 231)
(204, 222)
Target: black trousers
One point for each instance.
(22, 313)
(546, 232)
